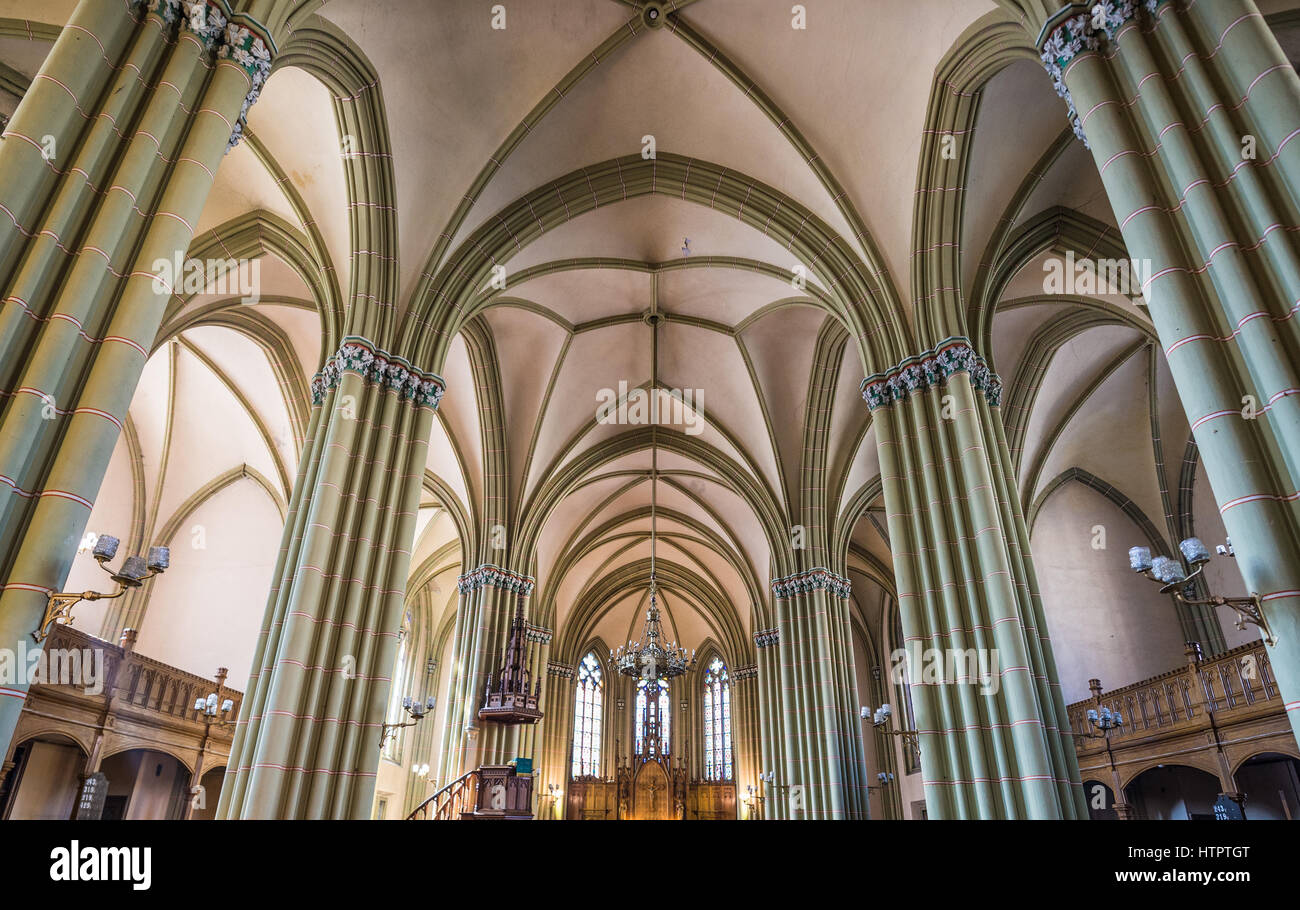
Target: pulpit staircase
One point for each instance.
(496, 791)
(489, 792)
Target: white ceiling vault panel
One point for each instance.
(738, 339)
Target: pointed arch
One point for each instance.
(588, 715)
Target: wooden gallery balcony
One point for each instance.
(107, 732)
(1212, 716)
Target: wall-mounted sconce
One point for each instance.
(883, 780)
(206, 709)
(214, 711)
(416, 710)
(133, 573)
(1103, 720)
(1169, 574)
(880, 720)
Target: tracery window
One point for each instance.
(717, 721)
(587, 713)
(653, 717)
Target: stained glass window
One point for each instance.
(587, 705)
(717, 722)
(653, 716)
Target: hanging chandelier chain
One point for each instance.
(650, 657)
(654, 455)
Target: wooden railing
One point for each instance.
(459, 796)
(132, 683)
(1237, 683)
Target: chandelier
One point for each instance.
(650, 657)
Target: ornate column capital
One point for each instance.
(811, 580)
(252, 51)
(359, 355)
(767, 638)
(1079, 28)
(563, 671)
(932, 368)
(744, 674)
(226, 35)
(497, 577)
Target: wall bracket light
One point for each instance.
(416, 710)
(880, 720)
(1169, 574)
(134, 572)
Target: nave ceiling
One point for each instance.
(837, 123)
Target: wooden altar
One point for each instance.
(594, 798)
(654, 793)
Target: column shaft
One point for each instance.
(105, 170)
(308, 739)
(988, 705)
(1190, 111)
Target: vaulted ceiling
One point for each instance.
(837, 118)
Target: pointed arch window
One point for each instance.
(653, 717)
(717, 721)
(588, 704)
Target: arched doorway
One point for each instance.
(1173, 792)
(1271, 782)
(47, 778)
(205, 801)
(1101, 801)
(143, 784)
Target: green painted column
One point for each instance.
(539, 654)
(1192, 111)
(552, 765)
(307, 745)
(823, 777)
(993, 729)
(486, 608)
(104, 171)
(884, 748)
(424, 684)
(449, 743)
(745, 732)
(771, 712)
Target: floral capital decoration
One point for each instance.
(1086, 31)
(245, 42)
(496, 577)
(359, 356)
(812, 580)
(929, 369)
